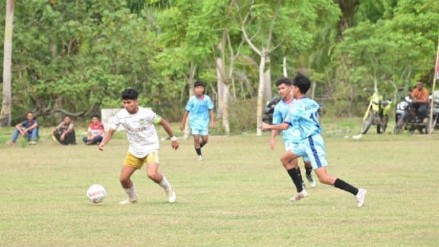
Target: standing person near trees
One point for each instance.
(144, 144)
(64, 133)
(27, 128)
(308, 142)
(280, 113)
(199, 108)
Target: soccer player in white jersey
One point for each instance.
(199, 108)
(144, 144)
(280, 113)
(303, 119)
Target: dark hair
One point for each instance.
(302, 82)
(283, 80)
(199, 83)
(130, 93)
(95, 115)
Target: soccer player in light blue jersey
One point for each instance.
(303, 122)
(279, 115)
(199, 108)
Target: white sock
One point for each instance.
(131, 193)
(165, 183)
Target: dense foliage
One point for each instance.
(77, 56)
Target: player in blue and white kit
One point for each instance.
(199, 108)
(307, 140)
(279, 115)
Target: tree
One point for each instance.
(263, 27)
(5, 114)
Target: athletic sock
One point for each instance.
(345, 186)
(300, 175)
(164, 183)
(198, 150)
(131, 193)
(294, 174)
(308, 170)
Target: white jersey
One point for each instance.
(141, 132)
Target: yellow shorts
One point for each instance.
(137, 163)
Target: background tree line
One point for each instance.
(75, 57)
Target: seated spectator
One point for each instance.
(28, 129)
(64, 133)
(95, 132)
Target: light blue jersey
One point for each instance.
(305, 130)
(303, 119)
(279, 115)
(199, 114)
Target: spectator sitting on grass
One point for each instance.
(28, 129)
(95, 132)
(64, 133)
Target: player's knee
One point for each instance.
(152, 175)
(124, 181)
(325, 180)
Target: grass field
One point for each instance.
(237, 196)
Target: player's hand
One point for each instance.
(181, 127)
(101, 147)
(272, 143)
(212, 125)
(265, 126)
(175, 144)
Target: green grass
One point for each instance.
(238, 196)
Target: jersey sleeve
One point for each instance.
(189, 105)
(277, 116)
(156, 119)
(114, 122)
(209, 104)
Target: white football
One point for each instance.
(96, 193)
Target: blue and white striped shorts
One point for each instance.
(312, 149)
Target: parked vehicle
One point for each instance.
(377, 113)
(407, 116)
(269, 110)
(435, 98)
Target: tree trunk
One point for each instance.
(223, 96)
(190, 81)
(267, 79)
(284, 67)
(5, 114)
(260, 101)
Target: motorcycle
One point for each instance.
(407, 116)
(435, 117)
(269, 110)
(377, 113)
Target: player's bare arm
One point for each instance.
(282, 126)
(273, 139)
(183, 120)
(167, 128)
(107, 138)
(212, 119)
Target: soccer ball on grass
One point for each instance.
(96, 193)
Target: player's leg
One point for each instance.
(127, 184)
(308, 170)
(289, 161)
(130, 165)
(204, 140)
(14, 137)
(160, 179)
(316, 155)
(197, 146)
